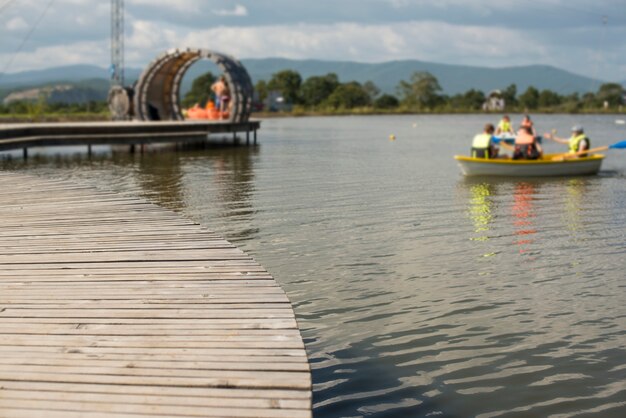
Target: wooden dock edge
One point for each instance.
(24, 136)
(111, 306)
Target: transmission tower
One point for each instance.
(117, 42)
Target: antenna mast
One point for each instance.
(117, 42)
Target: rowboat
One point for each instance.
(544, 167)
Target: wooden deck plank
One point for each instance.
(176, 393)
(113, 307)
(52, 395)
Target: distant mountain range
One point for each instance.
(452, 78)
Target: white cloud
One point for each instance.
(188, 6)
(153, 26)
(239, 10)
(149, 37)
(59, 55)
(428, 41)
(16, 24)
(435, 41)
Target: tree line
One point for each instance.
(40, 108)
(423, 93)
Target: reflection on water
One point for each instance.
(418, 292)
(523, 213)
(575, 197)
(159, 176)
(480, 209)
(159, 173)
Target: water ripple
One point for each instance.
(418, 292)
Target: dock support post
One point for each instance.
(132, 149)
(247, 136)
(89, 150)
(235, 139)
(255, 137)
(25, 153)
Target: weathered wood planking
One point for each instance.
(113, 307)
(26, 135)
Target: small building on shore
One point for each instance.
(494, 102)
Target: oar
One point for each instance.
(617, 145)
(503, 143)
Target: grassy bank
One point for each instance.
(55, 117)
(296, 112)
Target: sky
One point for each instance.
(584, 37)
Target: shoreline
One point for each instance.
(99, 117)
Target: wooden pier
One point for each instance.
(111, 306)
(28, 135)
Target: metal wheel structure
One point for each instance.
(117, 43)
(157, 92)
(120, 102)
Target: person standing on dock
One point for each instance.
(218, 88)
(222, 95)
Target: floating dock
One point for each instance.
(111, 306)
(24, 136)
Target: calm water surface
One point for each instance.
(418, 292)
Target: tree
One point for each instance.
(261, 90)
(548, 98)
(288, 83)
(318, 88)
(386, 101)
(530, 98)
(571, 103)
(421, 92)
(348, 96)
(200, 91)
(589, 100)
(371, 89)
(473, 99)
(613, 93)
(510, 96)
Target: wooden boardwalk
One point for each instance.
(27, 135)
(114, 307)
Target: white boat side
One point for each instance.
(544, 167)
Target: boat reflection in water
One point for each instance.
(575, 195)
(524, 214)
(519, 220)
(499, 208)
(481, 209)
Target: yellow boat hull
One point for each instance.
(544, 167)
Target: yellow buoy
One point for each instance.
(392, 137)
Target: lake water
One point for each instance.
(418, 292)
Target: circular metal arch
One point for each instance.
(157, 92)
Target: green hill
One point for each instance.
(452, 78)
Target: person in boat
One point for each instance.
(504, 127)
(577, 142)
(526, 145)
(527, 123)
(483, 145)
